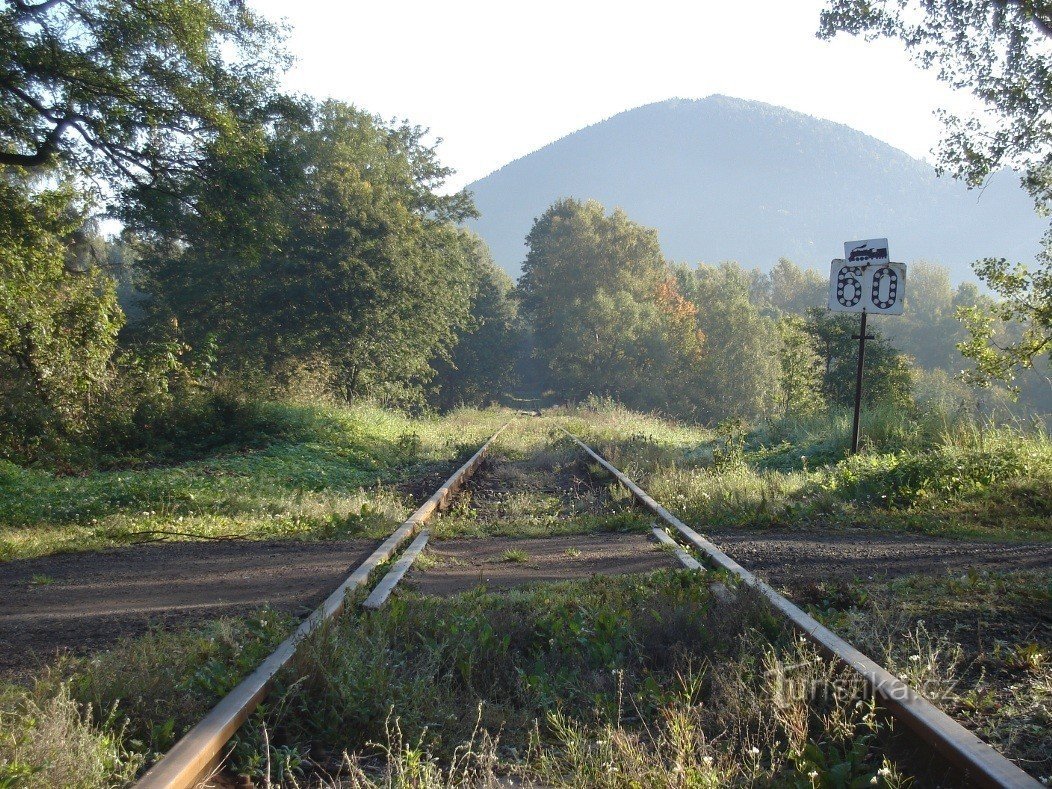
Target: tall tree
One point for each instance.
(738, 375)
(792, 290)
(1001, 51)
(888, 372)
(607, 316)
(334, 242)
(800, 368)
(58, 321)
(131, 90)
(481, 366)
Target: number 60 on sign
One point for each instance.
(878, 288)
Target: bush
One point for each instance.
(952, 471)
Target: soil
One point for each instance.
(788, 558)
(461, 564)
(83, 602)
(87, 601)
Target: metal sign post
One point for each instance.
(861, 337)
(865, 281)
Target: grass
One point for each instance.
(927, 473)
(978, 644)
(627, 681)
(622, 681)
(326, 473)
(515, 555)
(96, 721)
(536, 484)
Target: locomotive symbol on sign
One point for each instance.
(864, 253)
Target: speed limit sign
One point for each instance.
(866, 280)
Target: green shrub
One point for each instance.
(945, 473)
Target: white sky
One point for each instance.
(498, 80)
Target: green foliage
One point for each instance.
(227, 466)
(998, 51)
(943, 474)
(58, 328)
(888, 375)
(1025, 308)
(48, 739)
(801, 368)
(787, 289)
(481, 367)
(130, 91)
(936, 472)
(520, 653)
(162, 683)
(331, 243)
(738, 376)
(606, 315)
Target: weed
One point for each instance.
(47, 739)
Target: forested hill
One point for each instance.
(728, 179)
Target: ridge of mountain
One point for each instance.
(733, 179)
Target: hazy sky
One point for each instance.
(498, 80)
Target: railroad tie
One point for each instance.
(723, 594)
(387, 585)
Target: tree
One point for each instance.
(332, 243)
(134, 90)
(481, 367)
(1001, 52)
(791, 290)
(888, 372)
(800, 366)
(928, 329)
(1026, 302)
(58, 327)
(606, 313)
(575, 250)
(737, 377)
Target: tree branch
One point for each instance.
(35, 8)
(43, 154)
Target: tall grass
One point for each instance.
(942, 471)
(316, 472)
(611, 682)
(47, 739)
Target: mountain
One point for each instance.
(729, 179)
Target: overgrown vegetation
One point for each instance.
(94, 722)
(598, 683)
(602, 682)
(934, 472)
(301, 472)
(976, 643)
(290, 271)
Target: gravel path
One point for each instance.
(87, 601)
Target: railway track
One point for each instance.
(198, 753)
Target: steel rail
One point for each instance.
(979, 762)
(198, 751)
